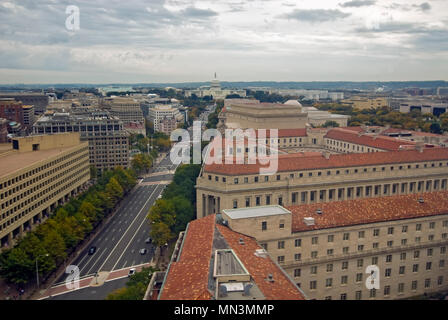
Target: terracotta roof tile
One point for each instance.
(380, 142)
(300, 162)
(370, 210)
(187, 278)
(282, 288)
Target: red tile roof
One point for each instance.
(282, 288)
(380, 142)
(369, 210)
(290, 162)
(187, 279)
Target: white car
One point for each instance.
(131, 272)
(143, 251)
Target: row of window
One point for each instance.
(387, 289)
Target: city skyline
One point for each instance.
(182, 41)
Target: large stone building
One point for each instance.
(327, 247)
(37, 174)
(108, 141)
(38, 100)
(215, 91)
(361, 103)
(212, 262)
(126, 109)
(164, 118)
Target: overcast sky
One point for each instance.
(133, 41)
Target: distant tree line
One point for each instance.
(52, 241)
(383, 116)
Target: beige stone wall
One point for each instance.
(30, 194)
(311, 186)
(339, 256)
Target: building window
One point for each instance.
(358, 295)
(297, 272)
(415, 268)
(358, 277)
(376, 232)
(374, 260)
(390, 230)
(345, 250)
(247, 202)
(281, 259)
(387, 272)
(387, 290)
(432, 225)
(344, 280)
(416, 254)
(264, 226)
(418, 227)
(414, 285)
(361, 234)
(360, 247)
(313, 270)
(428, 265)
(298, 242)
(442, 263)
(314, 240)
(400, 287)
(297, 256)
(313, 254)
(281, 245)
(329, 283)
(235, 204)
(330, 238)
(427, 283)
(440, 280)
(330, 267)
(313, 285)
(389, 258)
(344, 265)
(404, 229)
(330, 252)
(403, 256)
(346, 236)
(401, 270)
(429, 252)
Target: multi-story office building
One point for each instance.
(11, 110)
(212, 262)
(108, 141)
(361, 103)
(38, 100)
(321, 178)
(327, 247)
(126, 109)
(37, 174)
(159, 113)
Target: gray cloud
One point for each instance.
(198, 13)
(358, 3)
(425, 6)
(316, 15)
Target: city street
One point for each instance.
(119, 243)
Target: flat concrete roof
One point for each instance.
(252, 212)
(12, 160)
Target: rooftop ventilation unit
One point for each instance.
(261, 253)
(309, 221)
(421, 200)
(270, 278)
(241, 241)
(319, 211)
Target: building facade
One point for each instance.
(108, 141)
(37, 174)
(38, 100)
(326, 248)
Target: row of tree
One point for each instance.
(136, 286)
(50, 243)
(383, 116)
(177, 207)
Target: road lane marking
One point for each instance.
(135, 219)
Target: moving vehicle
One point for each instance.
(148, 240)
(131, 272)
(143, 251)
(92, 250)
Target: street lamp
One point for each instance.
(37, 268)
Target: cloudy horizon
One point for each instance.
(161, 41)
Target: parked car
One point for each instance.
(148, 240)
(92, 250)
(143, 251)
(131, 272)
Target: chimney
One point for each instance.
(309, 221)
(419, 146)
